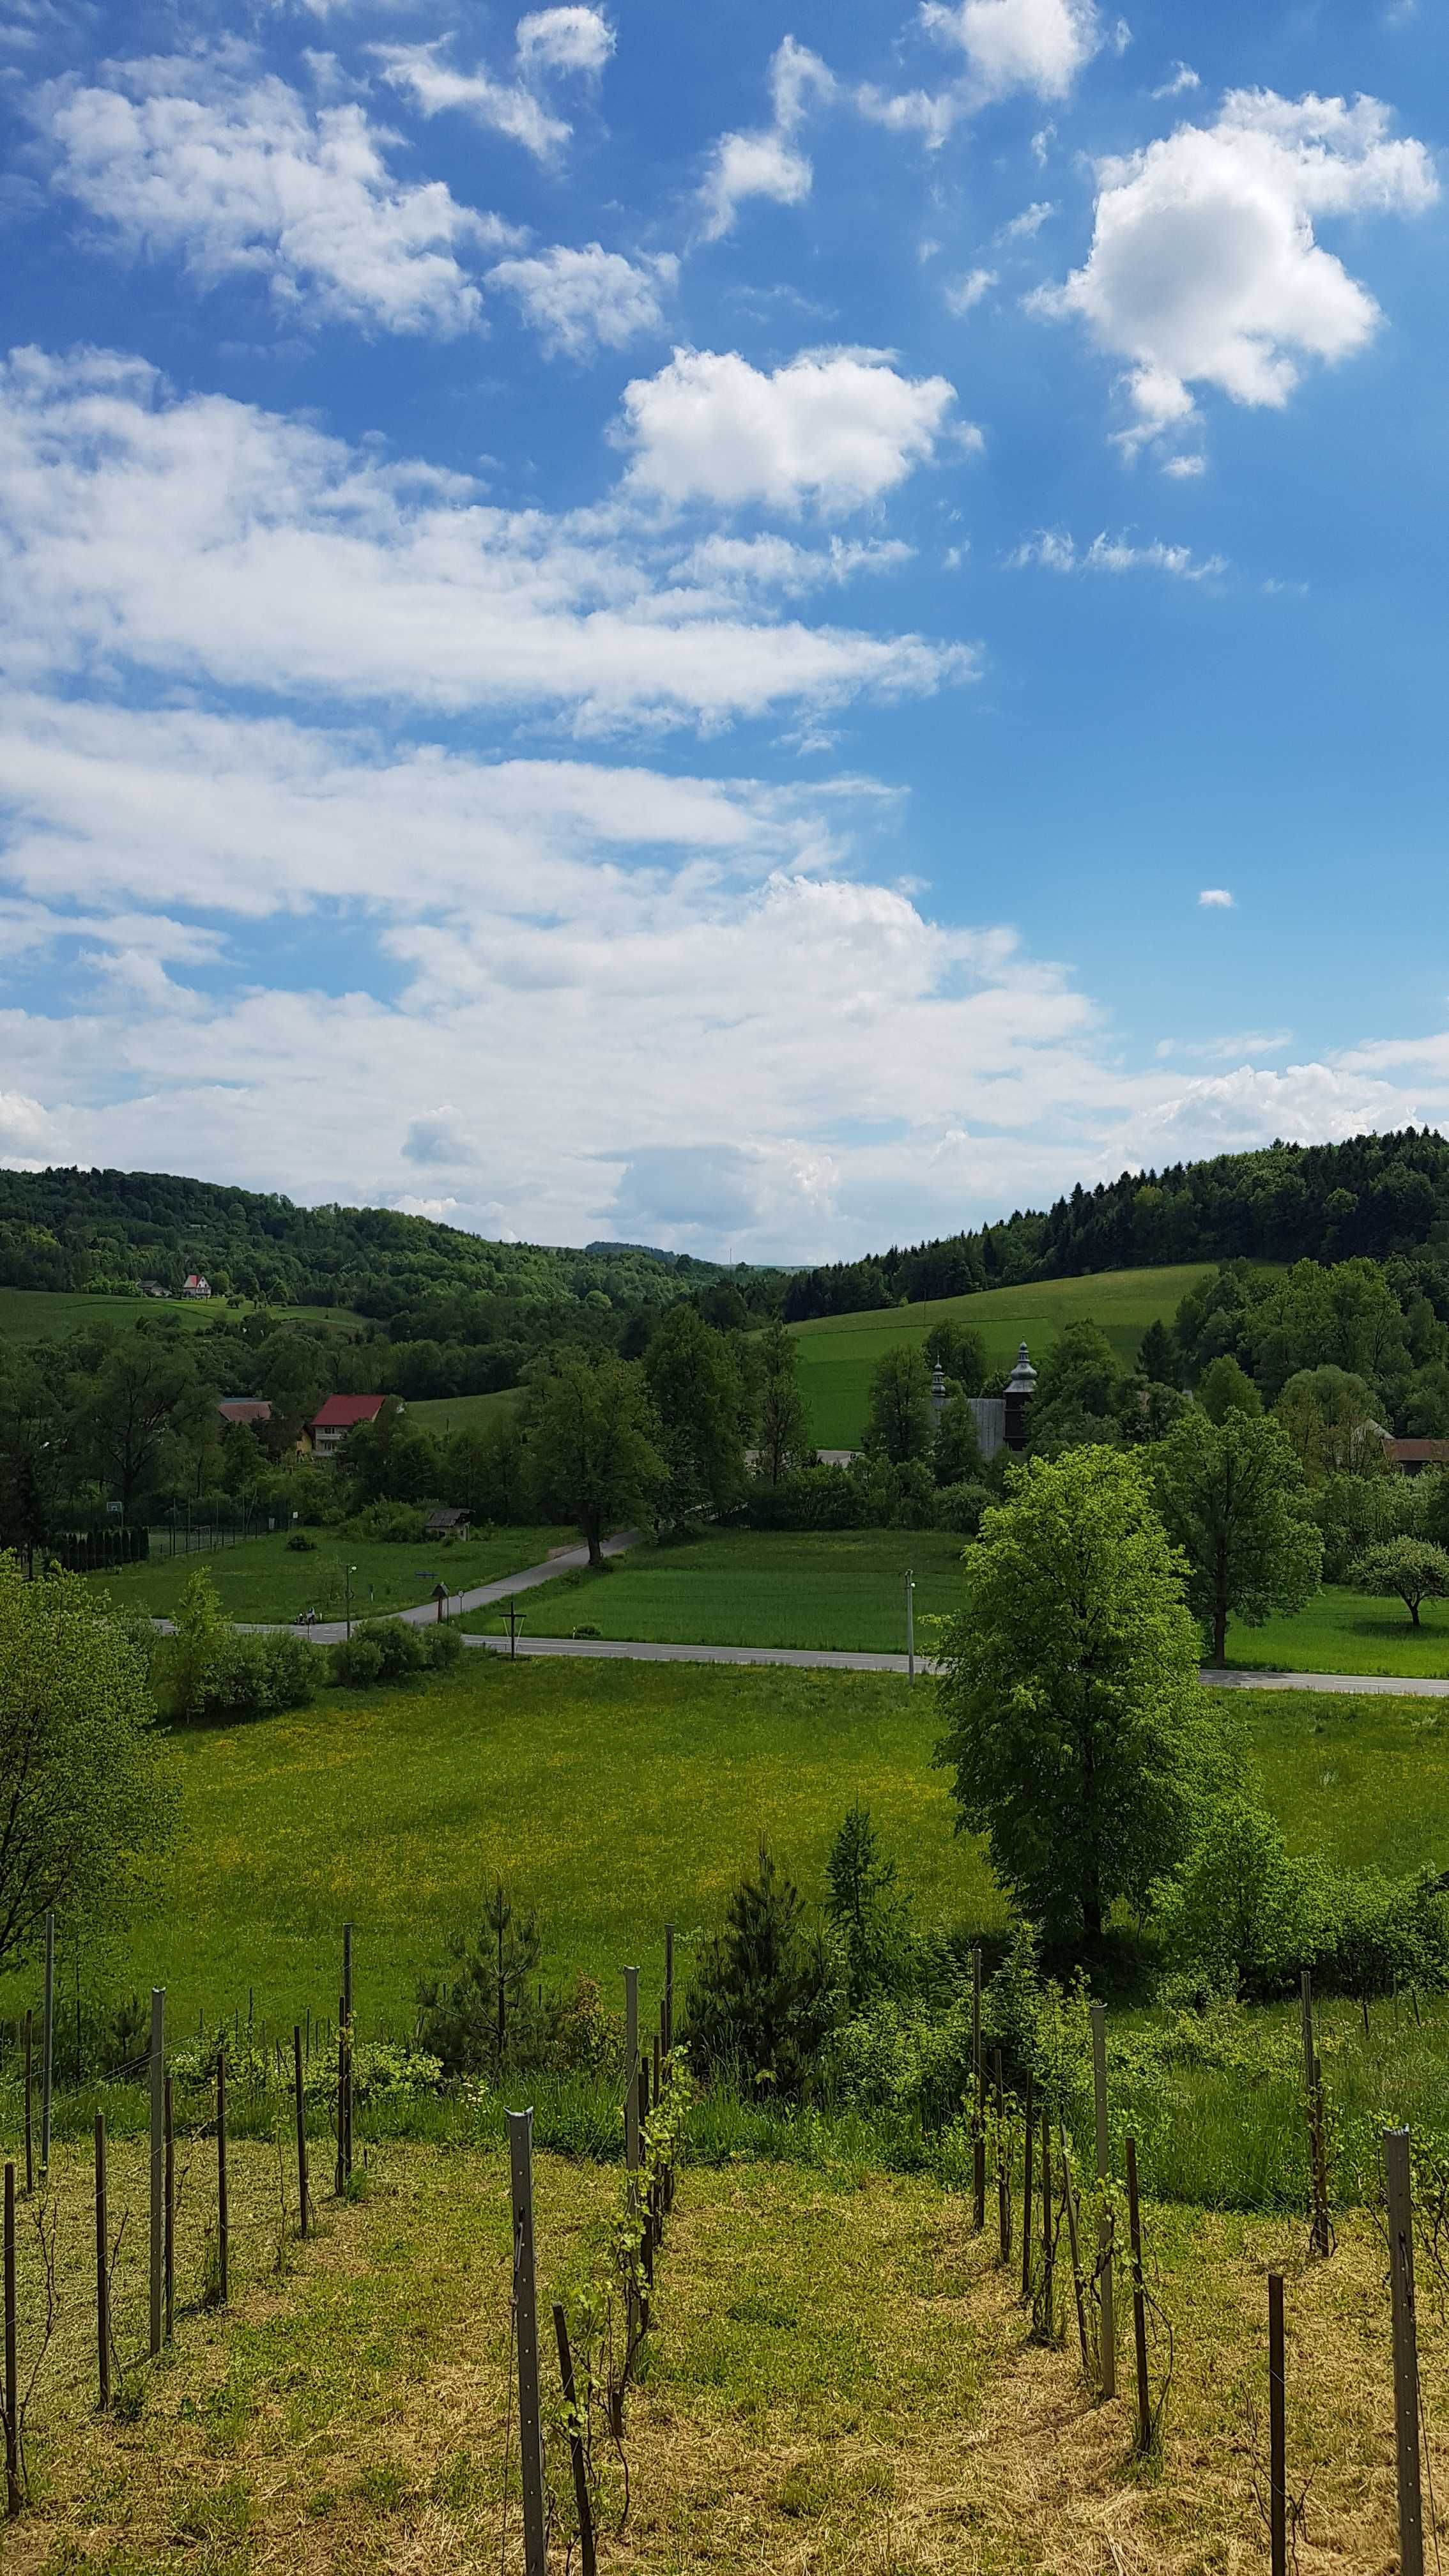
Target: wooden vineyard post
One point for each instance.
(1027, 2147)
(1075, 2244)
(631, 2070)
(1406, 2350)
(169, 2126)
(158, 2165)
(103, 2270)
(223, 2196)
(47, 2044)
(525, 2309)
(1139, 2302)
(1048, 2247)
(12, 2373)
(1277, 2434)
(1003, 2162)
(583, 2502)
(1107, 2337)
(1319, 2237)
(978, 2087)
(301, 2124)
(29, 2104)
(341, 2098)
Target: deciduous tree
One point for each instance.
(593, 1454)
(898, 1423)
(1232, 1498)
(1412, 1568)
(1075, 1724)
(82, 1802)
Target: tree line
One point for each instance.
(1371, 1196)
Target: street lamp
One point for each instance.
(350, 1573)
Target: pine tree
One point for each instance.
(761, 2000)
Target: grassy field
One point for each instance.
(842, 1588)
(445, 1413)
(42, 1315)
(838, 1353)
(264, 1579)
(1347, 1632)
(839, 2381)
(614, 1796)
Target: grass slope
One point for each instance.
(838, 1353)
(445, 1413)
(842, 1588)
(43, 1315)
(1347, 1632)
(839, 2380)
(616, 1796)
(264, 1579)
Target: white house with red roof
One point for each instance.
(325, 1433)
(196, 1286)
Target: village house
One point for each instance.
(323, 1436)
(196, 1286)
(253, 1410)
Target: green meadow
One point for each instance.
(264, 1579)
(615, 1795)
(837, 1588)
(838, 1352)
(1348, 1632)
(444, 1413)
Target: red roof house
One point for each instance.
(251, 1409)
(1411, 1457)
(340, 1414)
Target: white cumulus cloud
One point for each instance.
(765, 161)
(582, 300)
(837, 427)
(1216, 899)
(1204, 269)
(242, 178)
(508, 107)
(1036, 45)
(204, 539)
(564, 40)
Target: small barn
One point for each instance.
(445, 1522)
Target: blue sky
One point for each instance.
(765, 630)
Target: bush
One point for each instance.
(391, 1522)
(1243, 1915)
(959, 1507)
(212, 1670)
(393, 1650)
(301, 1544)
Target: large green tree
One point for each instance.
(1232, 1498)
(1075, 1724)
(898, 1420)
(782, 1436)
(591, 1434)
(694, 1379)
(82, 1803)
(1413, 1569)
(1328, 1417)
(141, 1382)
(959, 1352)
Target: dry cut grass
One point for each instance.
(840, 2378)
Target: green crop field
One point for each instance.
(42, 1315)
(838, 1353)
(842, 1588)
(1348, 1632)
(445, 1413)
(264, 1579)
(613, 1796)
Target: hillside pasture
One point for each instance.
(838, 1352)
(45, 1315)
(836, 1588)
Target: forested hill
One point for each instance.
(69, 1229)
(1373, 1194)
